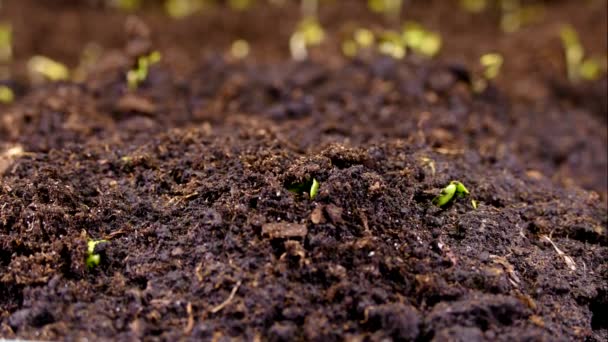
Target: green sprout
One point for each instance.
(576, 65)
(126, 5)
(6, 94)
(47, 68)
(312, 187)
(93, 259)
(491, 64)
(474, 6)
(390, 8)
(240, 5)
(6, 42)
(515, 15)
(392, 44)
(455, 188)
(239, 49)
(308, 33)
(182, 8)
(139, 74)
(420, 40)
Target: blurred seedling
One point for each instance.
(6, 94)
(138, 75)
(183, 8)
(309, 32)
(391, 9)
(41, 67)
(125, 5)
(391, 43)
(239, 49)
(474, 6)
(311, 187)
(240, 5)
(421, 41)
(93, 259)
(514, 15)
(491, 64)
(576, 65)
(454, 189)
(6, 42)
(362, 39)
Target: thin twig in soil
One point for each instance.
(571, 264)
(228, 300)
(190, 324)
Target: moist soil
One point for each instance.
(188, 176)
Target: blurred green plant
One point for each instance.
(183, 8)
(240, 5)
(126, 5)
(6, 94)
(514, 15)
(41, 67)
(6, 42)
(390, 8)
(577, 66)
(474, 6)
(239, 49)
(309, 32)
(138, 75)
(93, 259)
(420, 40)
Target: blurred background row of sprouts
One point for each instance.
(398, 38)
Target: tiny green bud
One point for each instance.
(314, 189)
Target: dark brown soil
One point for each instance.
(187, 179)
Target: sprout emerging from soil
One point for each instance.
(183, 8)
(43, 66)
(6, 42)
(420, 40)
(578, 67)
(455, 188)
(311, 187)
(239, 49)
(93, 259)
(126, 5)
(6, 95)
(138, 75)
(308, 33)
(314, 188)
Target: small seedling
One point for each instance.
(183, 8)
(240, 5)
(6, 42)
(391, 43)
(139, 74)
(491, 64)
(6, 95)
(93, 259)
(314, 188)
(577, 66)
(308, 33)
(420, 40)
(455, 188)
(48, 68)
(126, 5)
(239, 49)
(474, 6)
(514, 15)
(311, 187)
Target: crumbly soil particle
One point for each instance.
(187, 178)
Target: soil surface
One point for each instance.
(187, 179)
